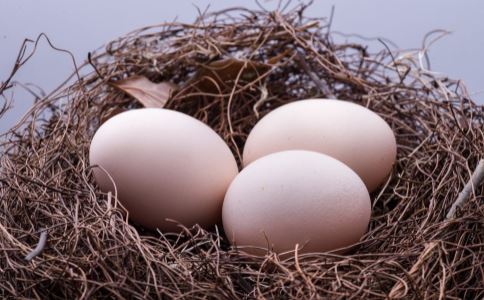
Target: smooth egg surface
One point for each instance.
(163, 165)
(296, 197)
(346, 131)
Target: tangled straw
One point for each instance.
(411, 250)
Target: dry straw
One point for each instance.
(411, 251)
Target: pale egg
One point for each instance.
(296, 197)
(349, 132)
(163, 165)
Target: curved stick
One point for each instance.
(473, 183)
(40, 246)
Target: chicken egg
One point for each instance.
(163, 165)
(296, 197)
(346, 131)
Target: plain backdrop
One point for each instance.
(84, 25)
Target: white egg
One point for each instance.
(296, 197)
(165, 165)
(344, 130)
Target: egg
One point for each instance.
(296, 197)
(349, 132)
(164, 166)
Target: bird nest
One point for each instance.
(61, 237)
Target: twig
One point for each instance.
(322, 87)
(396, 291)
(89, 59)
(40, 246)
(402, 78)
(474, 182)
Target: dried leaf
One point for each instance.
(211, 77)
(111, 113)
(228, 69)
(148, 93)
(275, 59)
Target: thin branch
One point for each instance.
(473, 183)
(40, 246)
(319, 83)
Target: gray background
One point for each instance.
(81, 26)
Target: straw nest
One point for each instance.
(426, 236)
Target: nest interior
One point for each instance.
(231, 68)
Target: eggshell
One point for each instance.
(296, 197)
(164, 164)
(344, 130)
